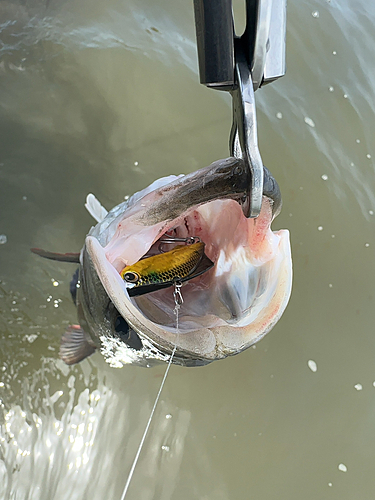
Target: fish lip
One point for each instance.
(271, 190)
(227, 178)
(202, 348)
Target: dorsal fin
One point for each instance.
(62, 257)
(75, 345)
(95, 208)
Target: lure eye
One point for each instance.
(131, 277)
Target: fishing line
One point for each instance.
(178, 300)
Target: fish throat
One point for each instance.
(235, 278)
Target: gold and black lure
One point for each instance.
(183, 263)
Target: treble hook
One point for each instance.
(190, 240)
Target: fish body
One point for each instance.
(224, 311)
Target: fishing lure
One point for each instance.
(182, 263)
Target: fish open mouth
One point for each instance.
(224, 310)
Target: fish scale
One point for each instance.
(178, 263)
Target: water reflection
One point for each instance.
(104, 97)
(79, 441)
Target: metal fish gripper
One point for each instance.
(240, 65)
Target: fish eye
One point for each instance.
(238, 170)
(131, 277)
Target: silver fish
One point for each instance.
(225, 310)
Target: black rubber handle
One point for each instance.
(215, 40)
(248, 37)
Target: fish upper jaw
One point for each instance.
(223, 179)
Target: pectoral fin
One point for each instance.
(75, 345)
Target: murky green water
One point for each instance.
(104, 97)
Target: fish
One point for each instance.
(153, 273)
(226, 308)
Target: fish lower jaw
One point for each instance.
(226, 309)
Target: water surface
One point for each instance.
(104, 97)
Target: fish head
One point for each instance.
(226, 309)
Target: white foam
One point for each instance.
(312, 365)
